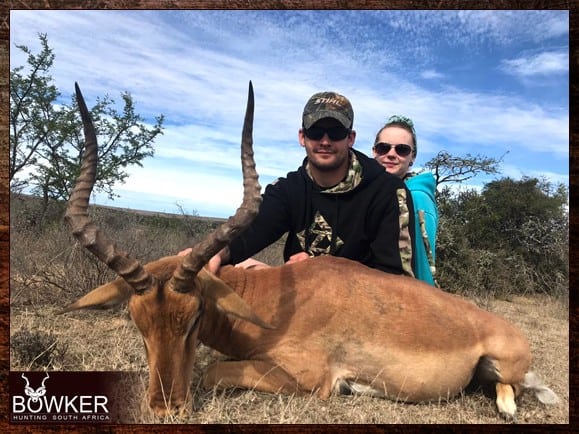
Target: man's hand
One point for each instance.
(301, 256)
(252, 263)
(214, 263)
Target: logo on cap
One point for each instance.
(328, 105)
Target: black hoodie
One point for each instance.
(370, 219)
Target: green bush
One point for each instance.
(511, 238)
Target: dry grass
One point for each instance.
(108, 340)
(58, 272)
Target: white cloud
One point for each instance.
(546, 63)
(517, 172)
(431, 74)
(194, 66)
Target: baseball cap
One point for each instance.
(328, 105)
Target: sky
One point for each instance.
(491, 83)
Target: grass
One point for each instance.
(59, 272)
(115, 345)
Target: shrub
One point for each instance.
(36, 350)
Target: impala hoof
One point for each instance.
(506, 401)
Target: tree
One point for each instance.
(513, 236)
(123, 140)
(527, 216)
(47, 138)
(31, 109)
(450, 168)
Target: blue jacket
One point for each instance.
(422, 187)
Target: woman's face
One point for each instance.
(392, 161)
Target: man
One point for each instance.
(339, 202)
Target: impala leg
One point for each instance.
(506, 400)
(250, 374)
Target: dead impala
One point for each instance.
(319, 326)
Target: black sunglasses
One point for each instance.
(334, 133)
(402, 149)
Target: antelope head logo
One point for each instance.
(35, 395)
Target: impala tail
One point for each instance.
(544, 394)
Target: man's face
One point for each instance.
(330, 152)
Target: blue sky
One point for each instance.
(478, 82)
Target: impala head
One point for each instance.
(166, 297)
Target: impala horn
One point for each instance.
(218, 239)
(82, 226)
(90, 236)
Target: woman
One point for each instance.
(395, 149)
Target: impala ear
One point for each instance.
(103, 297)
(227, 300)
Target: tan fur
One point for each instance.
(313, 326)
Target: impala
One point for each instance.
(319, 326)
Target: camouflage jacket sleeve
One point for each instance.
(392, 248)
